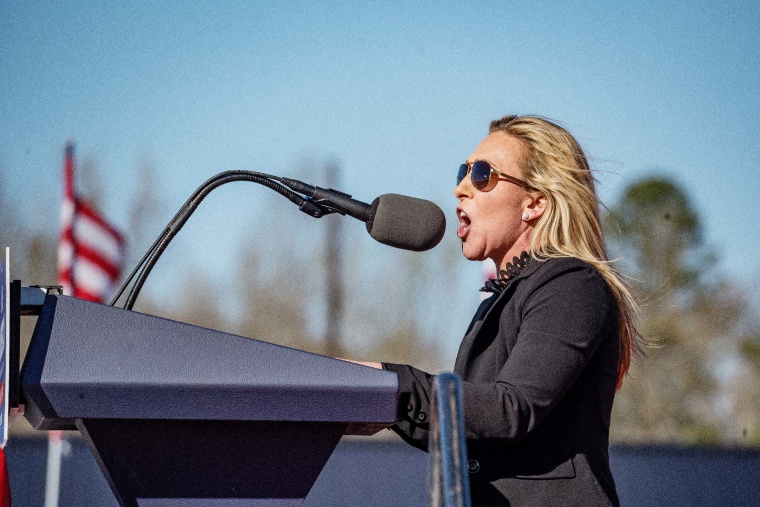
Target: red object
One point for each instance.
(489, 273)
(91, 250)
(5, 487)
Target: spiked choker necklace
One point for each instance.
(506, 275)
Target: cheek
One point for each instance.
(502, 226)
(498, 222)
(500, 216)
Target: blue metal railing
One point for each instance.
(449, 481)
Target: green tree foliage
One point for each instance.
(657, 224)
(700, 327)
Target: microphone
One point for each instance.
(395, 220)
(406, 222)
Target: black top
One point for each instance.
(539, 368)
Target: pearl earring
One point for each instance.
(526, 216)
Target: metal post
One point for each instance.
(53, 478)
(449, 479)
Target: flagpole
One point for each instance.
(55, 437)
(53, 479)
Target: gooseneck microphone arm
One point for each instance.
(395, 220)
(305, 204)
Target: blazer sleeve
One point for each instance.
(415, 392)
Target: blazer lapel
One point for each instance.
(485, 311)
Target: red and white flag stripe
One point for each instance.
(91, 250)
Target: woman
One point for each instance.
(544, 355)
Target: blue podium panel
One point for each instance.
(181, 415)
(89, 360)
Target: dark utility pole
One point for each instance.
(334, 272)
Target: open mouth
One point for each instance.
(464, 224)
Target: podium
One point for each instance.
(182, 416)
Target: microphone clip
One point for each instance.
(318, 202)
(314, 209)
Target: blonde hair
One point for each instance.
(553, 163)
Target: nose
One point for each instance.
(464, 188)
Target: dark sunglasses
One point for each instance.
(484, 177)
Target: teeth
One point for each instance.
(464, 224)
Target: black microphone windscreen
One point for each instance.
(406, 222)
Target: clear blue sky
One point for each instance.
(400, 94)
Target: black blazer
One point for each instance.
(539, 369)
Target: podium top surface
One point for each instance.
(88, 360)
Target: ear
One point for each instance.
(534, 207)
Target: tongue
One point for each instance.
(462, 230)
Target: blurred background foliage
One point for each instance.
(698, 384)
(700, 381)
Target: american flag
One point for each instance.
(90, 258)
(90, 251)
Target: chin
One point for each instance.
(472, 256)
